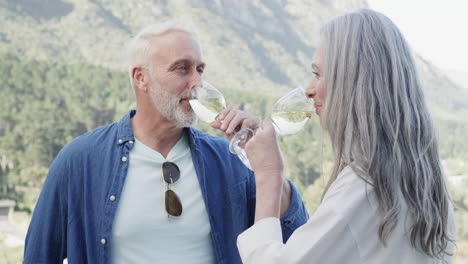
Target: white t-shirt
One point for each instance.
(142, 231)
(343, 229)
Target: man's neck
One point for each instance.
(155, 131)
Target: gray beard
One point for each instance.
(169, 107)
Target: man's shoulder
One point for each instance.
(92, 140)
(212, 145)
(216, 149)
(207, 139)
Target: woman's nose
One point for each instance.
(310, 90)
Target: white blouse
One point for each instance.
(343, 229)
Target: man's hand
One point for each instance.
(231, 120)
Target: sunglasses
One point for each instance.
(171, 174)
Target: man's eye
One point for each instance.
(182, 68)
(316, 74)
(201, 69)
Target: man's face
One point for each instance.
(176, 67)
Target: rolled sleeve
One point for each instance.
(296, 215)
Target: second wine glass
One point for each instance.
(290, 114)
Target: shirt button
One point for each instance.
(120, 141)
(131, 142)
(124, 159)
(112, 198)
(103, 241)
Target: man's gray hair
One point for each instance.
(141, 48)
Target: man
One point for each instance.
(149, 188)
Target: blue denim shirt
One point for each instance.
(76, 208)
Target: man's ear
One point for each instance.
(140, 79)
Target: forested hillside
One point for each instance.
(62, 73)
(43, 105)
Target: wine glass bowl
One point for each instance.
(207, 102)
(291, 112)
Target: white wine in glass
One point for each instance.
(290, 114)
(207, 102)
(286, 123)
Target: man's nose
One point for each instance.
(196, 79)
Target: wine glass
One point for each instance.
(290, 114)
(207, 102)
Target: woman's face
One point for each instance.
(316, 88)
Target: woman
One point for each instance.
(386, 201)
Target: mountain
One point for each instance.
(255, 45)
(460, 77)
(263, 47)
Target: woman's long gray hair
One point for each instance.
(379, 124)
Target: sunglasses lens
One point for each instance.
(173, 204)
(170, 170)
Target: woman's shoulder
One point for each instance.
(347, 181)
(350, 193)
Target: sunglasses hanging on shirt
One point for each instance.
(171, 175)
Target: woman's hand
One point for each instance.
(266, 161)
(263, 151)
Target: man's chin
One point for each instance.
(194, 121)
(187, 122)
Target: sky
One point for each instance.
(436, 29)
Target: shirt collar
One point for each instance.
(192, 135)
(125, 132)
